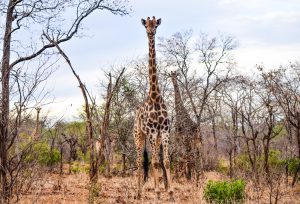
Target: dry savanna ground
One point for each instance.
(73, 188)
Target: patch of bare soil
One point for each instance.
(73, 188)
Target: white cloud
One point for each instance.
(270, 56)
(268, 32)
(67, 108)
(240, 3)
(274, 17)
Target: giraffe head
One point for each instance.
(151, 25)
(38, 109)
(173, 75)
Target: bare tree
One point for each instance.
(284, 84)
(231, 102)
(199, 81)
(22, 16)
(105, 137)
(272, 117)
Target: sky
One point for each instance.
(267, 31)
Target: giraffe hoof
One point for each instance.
(138, 196)
(157, 195)
(156, 200)
(171, 198)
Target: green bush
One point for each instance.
(42, 153)
(78, 167)
(83, 157)
(243, 162)
(292, 164)
(223, 166)
(102, 167)
(75, 167)
(225, 191)
(275, 161)
(274, 158)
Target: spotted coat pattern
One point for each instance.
(151, 121)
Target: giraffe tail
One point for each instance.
(146, 162)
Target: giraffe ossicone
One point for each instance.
(151, 121)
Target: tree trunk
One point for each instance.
(215, 135)
(105, 138)
(198, 156)
(61, 161)
(298, 143)
(88, 123)
(189, 160)
(266, 145)
(231, 163)
(124, 163)
(108, 156)
(5, 74)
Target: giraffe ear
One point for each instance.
(158, 22)
(143, 22)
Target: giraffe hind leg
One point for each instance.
(154, 143)
(165, 143)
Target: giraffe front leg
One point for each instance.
(165, 143)
(139, 147)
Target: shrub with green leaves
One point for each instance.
(42, 153)
(223, 166)
(275, 161)
(75, 167)
(292, 164)
(79, 167)
(225, 191)
(243, 162)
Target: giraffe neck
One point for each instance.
(154, 92)
(181, 111)
(178, 99)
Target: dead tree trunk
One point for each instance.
(124, 163)
(5, 74)
(89, 131)
(298, 143)
(105, 138)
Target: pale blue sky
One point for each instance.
(267, 30)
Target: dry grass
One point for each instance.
(74, 189)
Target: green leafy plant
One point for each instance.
(79, 167)
(223, 166)
(225, 191)
(292, 164)
(75, 168)
(43, 154)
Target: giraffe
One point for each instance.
(185, 128)
(36, 134)
(151, 120)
